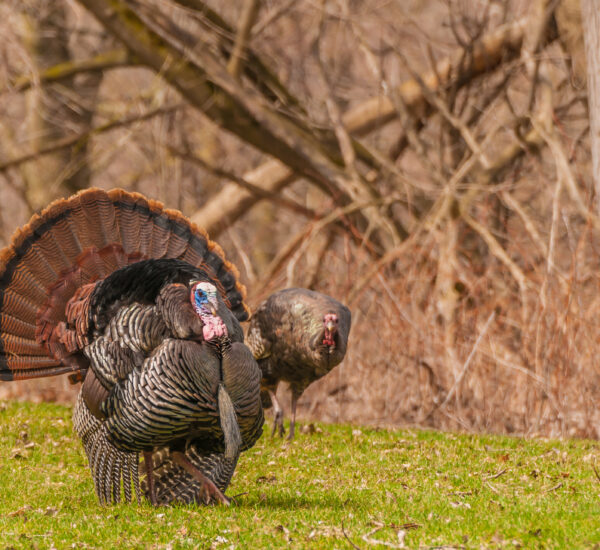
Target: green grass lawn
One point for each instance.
(339, 484)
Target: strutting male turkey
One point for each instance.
(296, 335)
(137, 302)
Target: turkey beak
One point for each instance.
(213, 310)
(330, 326)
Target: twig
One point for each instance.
(444, 202)
(357, 187)
(539, 16)
(314, 228)
(271, 17)
(552, 238)
(385, 260)
(513, 204)
(249, 13)
(411, 129)
(437, 212)
(497, 250)
(564, 172)
(469, 358)
(454, 121)
(554, 487)
(234, 497)
(244, 184)
(498, 359)
(497, 475)
(103, 61)
(250, 273)
(348, 538)
(199, 75)
(255, 68)
(79, 139)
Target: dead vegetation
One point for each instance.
(426, 162)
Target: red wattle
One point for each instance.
(328, 339)
(213, 328)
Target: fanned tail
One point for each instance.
(78, 241)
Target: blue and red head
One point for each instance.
(204, 298)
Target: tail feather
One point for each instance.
(101, 217)
(73, 211)
(22, 346)
(112, 257)
(159, 237)
(195, 252)
(20, 306)
(16, 327)
(25, 283)
(126, 475)
(21, 368)
(129, 225)
(65, 233)
(81, 240)
(179, 235)
(39, 266)
(49, 251)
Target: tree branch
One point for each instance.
(79, 139)
(103, 61)
(202, 80)
(244, 184)
(493, 49)
(249, 13)
(501, 45)
(254, 69)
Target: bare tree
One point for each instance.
(591, 32)
(424, 162)
(55, 110)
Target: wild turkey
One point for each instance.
(138, 303)
(298, 336)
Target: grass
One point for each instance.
(338, 483)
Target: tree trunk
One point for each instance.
(52, 114)
(591, 31)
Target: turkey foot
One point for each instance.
(209, 491)
(278, 416)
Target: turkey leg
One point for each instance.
(149, 465)
(278, 412)
(209, 489)
(295, 397)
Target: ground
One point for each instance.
(337, 487)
